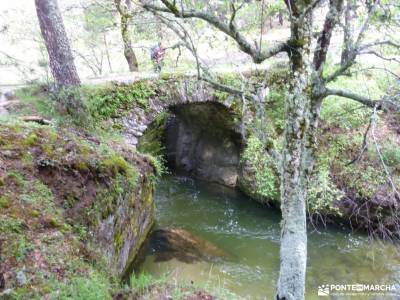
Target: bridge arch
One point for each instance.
(201, 135)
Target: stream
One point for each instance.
(248, 234)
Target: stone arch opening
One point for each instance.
(201, 140)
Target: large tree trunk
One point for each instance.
(293, 248)
(57, 44)
(128, 51)
(124, 11)
(348, 31)
(303, 113)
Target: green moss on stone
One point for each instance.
(31, 140)
(115, 101)
(5, 201)
(117, 164)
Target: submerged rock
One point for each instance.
(184, 246)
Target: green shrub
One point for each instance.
(141, 283)
(364, 179)
(38, 193)
(391, 155)
(151, 142)
(159, 163)
(36, 96)
(323, 193)
(344, 113)
(10, 224)
(31, 140)
(92, 287)
(18, 178)
(116, 101)
(266, 177)
(21, 247)
(5, 201)
(269, 121)
(275, 109)
(71, 99)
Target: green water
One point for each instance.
(250, 233)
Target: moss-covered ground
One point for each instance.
(56, 183)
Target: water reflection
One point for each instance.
(249, 234)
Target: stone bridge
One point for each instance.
(177, 93)
(202, 135)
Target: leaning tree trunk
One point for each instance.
(293, 248)
(124, 11)
(57, 44)
(128, 51)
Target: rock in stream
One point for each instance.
(184, 246)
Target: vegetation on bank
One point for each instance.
(343, 125)
(57, 184)
(337, 189)
(49, 252)
(46, 239)
(348, 183)
(307, 49)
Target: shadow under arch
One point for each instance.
(201, 140)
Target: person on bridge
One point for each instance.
(157, 55)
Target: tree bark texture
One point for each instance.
(348, 31)
(57, 44)
(123, 7)
(293, 248)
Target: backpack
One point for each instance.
(154, 51)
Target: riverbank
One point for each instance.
(79, 189)
(75, 210)
(356, 178)
(71, 206)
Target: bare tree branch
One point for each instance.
(382, 104)
(353, 53)
(310, 8)
(387, 172)
(229, 29)
(395, 59)
(364, 146)
(378, 68)
(379, 43)
(202, 71)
